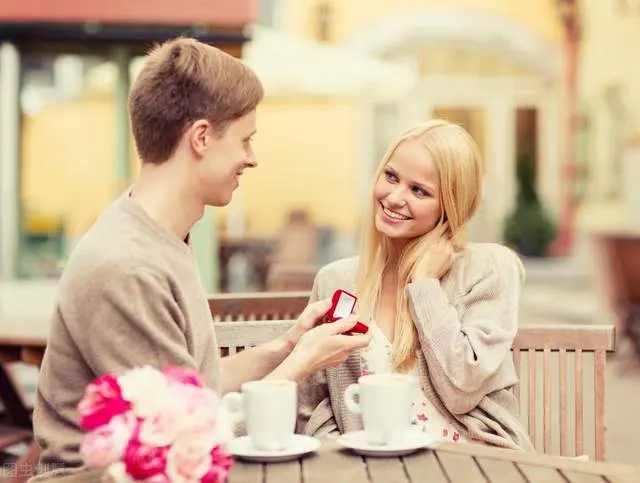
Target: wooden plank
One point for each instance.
(579, 400)
(460, 468)
(244, 472)
(245, 333)
(289, 471)
(258, 305)
(499, 471)
(384, 470)
(333, 465)
(516, 363)
(532, 400)
(575, 477)
(538, 459)
(424, 463)
(564, 426)
(540, 474)
(600, 428)
(569, 337)
(546, 396)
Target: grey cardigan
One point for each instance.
(466, 324)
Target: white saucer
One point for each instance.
(242, 448)
(414, 441)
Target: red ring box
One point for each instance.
(342, 305)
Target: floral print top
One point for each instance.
(376, 359)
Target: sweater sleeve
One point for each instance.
(133, 320)
(463, 353)
(315, 414)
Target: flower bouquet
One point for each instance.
(156, 426)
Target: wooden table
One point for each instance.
(447, 464)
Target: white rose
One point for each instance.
(146, 389)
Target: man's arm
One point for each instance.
(258, 362)
(254, 363)
(321, 347)
(132, 320)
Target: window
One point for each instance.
(270, 13)
(322, 20)
(615, 126)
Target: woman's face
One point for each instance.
(407, 194)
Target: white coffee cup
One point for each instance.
(385, 405)
(269, 410)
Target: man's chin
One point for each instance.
(220, 201)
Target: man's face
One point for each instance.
(225, 158)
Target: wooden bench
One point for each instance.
(562, 379)
(258, 306)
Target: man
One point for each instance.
(130, 294)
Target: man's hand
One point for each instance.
(313, 314)
(321, 347)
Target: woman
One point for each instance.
(441, 309)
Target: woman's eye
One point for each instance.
(420, 191)
(390, 176)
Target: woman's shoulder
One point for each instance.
(338, 274)
(481, 259)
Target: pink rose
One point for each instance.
(200, 407)
(106, 444)
(221, 464)
(189, 459)
(164, 427)
(102, 401)
(143, 461)
(183, 375)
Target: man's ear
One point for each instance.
(199, 137)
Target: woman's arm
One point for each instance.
(313, 392)
(464, 353)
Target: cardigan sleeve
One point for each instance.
(315, 414)
(464, 352)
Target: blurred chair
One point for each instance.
(289, 277)
(298, 242)
(619, 257)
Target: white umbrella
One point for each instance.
(288, 66)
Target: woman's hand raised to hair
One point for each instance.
(435, 262)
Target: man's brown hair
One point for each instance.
(184, 80)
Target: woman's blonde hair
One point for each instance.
(459, 165)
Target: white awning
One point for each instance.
(294, 66)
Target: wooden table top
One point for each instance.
(449, 463)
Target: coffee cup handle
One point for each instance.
(232, 402)
(350, 393)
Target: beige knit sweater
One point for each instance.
(130, 295)
(466, 324)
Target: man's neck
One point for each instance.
(167, 201)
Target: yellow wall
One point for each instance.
(68, 162)
(307, 151)
(308, 158)
(354, 15)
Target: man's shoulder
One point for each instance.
(94, 265)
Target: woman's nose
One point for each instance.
(397, 198)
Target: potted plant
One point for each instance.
(529, 229)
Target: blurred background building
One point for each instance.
(548, 88)
(534, 82)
